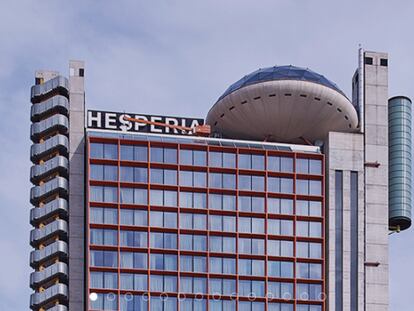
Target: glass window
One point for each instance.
(133, 238)
(163, 262)
(309, 208)
(96, 150)
(280, 248)
(134, 153)
(103, 237)
(251, 267)
(104, 258)
(308, 270)
(280, 290)
(282, 185)
(99, 215)
(279, 164)
(105, 302)
(309, 229)
(134, 260)
(222, 265)
(163, 155)
(163, 197)
(282, 269)
(222, 244)
(133, 281)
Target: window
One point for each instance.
(222, 244)
(308, 250)
(251, 161)
(222, 202)
(105, 302)
(251, 306)
(254, 183)
(384, 62)
(222, 159)
(222, 265)
(279, 164)
(280, 185)
(225, 287)
(309, 229)
(192, 242)
(304, 307)
(134, 260)
(163, 155)
(368, 60)
(280, 227)
(251, 246)
(193, 263)
(306, 270)
(134, 196)
(107, 280)
(163, 262)
(133, 281)
(163, 240)
(100, 215)
(134, 153)
(308, 187)
(193, 157)
(280, 269)
(133, 238)
(134, 302)
(103, 194)
(309, 208)
(103, 237)
(163, 219)
(222, 180)
(280, 206)
(275, 306)
(193, 199)
(163, 176)
(193, 221)
(163, 197)
(193, 179)
(222, 223)
(309, 291)
(134, 174)
(190, 304)
(103, 259)
(195, 285)
(162, 304)
(104, 172)
(251, 225)
(280, 290)
(251, 204)
(103, 151)
(280, 248)
(250, 288)
(131, 217)
(251, 267)
(163, 283)
(309, 166)
(222, 305)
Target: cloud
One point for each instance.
(177, 57)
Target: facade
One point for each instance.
(283, 207)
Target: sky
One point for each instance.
(176, 58)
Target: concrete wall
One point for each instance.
(376, 183)
(76, 187)
(344, 152)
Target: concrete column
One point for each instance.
(76, 186)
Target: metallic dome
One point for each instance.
(284, 104)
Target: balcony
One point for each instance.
(57, 270)
(57, 227)
(56, 249)
(55, 292)
(56, 123)
(57, 104)
(58, 143)
(58, 207)
(56, 86)
(56, 186)
(57, 164)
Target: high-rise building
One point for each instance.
(286, 205)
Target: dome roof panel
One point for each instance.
(281, 73)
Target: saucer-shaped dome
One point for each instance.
(284, 104)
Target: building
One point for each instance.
(287, 205)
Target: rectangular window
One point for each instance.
(163, 155)
(280, 227)
(339, 239)
(163, 198)
(163, 240)
(354, 239)
(134, 153)
(222, 202)
(222, 159)
(280, 290)
(281, 269)
(219, 265)
(193, 157)
(100, 215)
(193, 199)
(163, 262)
(133, 238)
(280, 206)
(134, 260)
(222, 244)
(103, 259)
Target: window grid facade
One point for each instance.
(201, 246)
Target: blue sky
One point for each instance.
(177, 58)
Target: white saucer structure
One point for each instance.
(282, 104)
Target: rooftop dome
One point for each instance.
(281, 73)
(282, 104)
